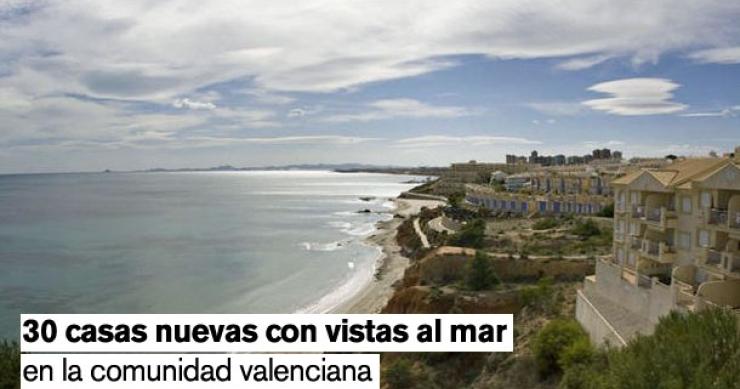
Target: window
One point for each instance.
(634, 197)
(686, 204)
(684, 240)
(706, 200)
(703, 238)
(620, 256)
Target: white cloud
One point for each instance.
(115, 49)
(304, 111)
(444, 140)
(727, 112)
(557, 108)
(265, 97)
(581, 63)
(636, 96)
(722, 55)
(190, 104)
(400, 108)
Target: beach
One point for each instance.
(392, 264)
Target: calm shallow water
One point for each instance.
(238, 242)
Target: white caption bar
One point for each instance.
(223, 371)
(267, 333)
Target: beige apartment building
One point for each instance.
(676, 247)
(577, 189)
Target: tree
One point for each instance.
(479, 274)
(10, 365)
(551, 342)
(471, 234)
(695, 350)
(586, 228)
(607, 211)
(398, 375)
(456, 199)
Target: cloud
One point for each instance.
(727, 112)
(114, 49)
(305, 111)
(444, 140)
(722, 55)
(190, 104)
(557, 108)
(636, 96)
(400, 108)
(581, 63)
(264, 97)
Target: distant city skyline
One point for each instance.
(94, 85)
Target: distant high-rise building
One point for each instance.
(617, 155)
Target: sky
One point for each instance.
(125, 85)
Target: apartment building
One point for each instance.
(676, 247)
(548, 191)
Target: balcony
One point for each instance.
(636, 243)
(714, 257)
(658, 251)
(619, 236)
(731, 262)
(638, 211)
(735, 221)
(662, 217)
(718, 216)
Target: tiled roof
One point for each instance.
(680, 173)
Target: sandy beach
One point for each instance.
(391, 266)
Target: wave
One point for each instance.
(313, 246)
(361, 276)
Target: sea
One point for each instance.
(187, 242)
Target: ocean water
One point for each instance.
(216, 242)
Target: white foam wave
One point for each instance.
(313, 246)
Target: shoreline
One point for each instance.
(390, 268)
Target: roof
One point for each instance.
(678, 173)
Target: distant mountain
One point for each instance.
(342, 168)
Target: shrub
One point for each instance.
(586, 228)
(541, 297)
(398, 375)
(551, 342)
(479, 273)
(10, 365)
(580, 352)
(696, 350)
(471, 234)
(545, 224)
(607, 211)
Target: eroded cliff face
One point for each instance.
(433, 284)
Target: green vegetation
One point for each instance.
(586, 228)
(456, 199)
(699, 350)
(10, 365)
(607, 211)
(545, 224)
(472, 234)
(398, 375)
(541, 297)
(479, 273)
(555, 344)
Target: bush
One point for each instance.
(581, 352)
(479, 273)
(545, 224)
(586, 228)
(551, 342)
(398, 375)
(471, 234)
(541, 297)
(10, 365)
(607, 211)
(697, 350)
